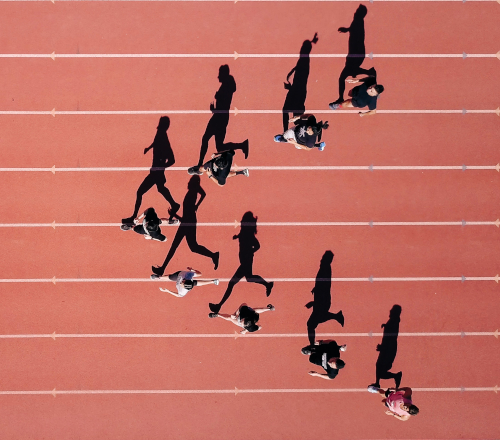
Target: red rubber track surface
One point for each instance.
(248, 363)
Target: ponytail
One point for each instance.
(321, 126)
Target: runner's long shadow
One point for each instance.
(356, 54)
(217, 125)
(187, 227)
(295, 101)
(163, 157)
(248, 246)
(389, 348)
(322, 298)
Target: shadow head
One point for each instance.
(327, 258)
(360, 12)
(395, 311)
(194, 183)
(249, 222)
(223, 73)
(164, 123)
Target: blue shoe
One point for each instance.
(278, 138)
(321, 146)
(333, 106)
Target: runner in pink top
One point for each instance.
(398, 401)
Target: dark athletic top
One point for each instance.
(151, 221)
(301, 134)
(322, 353)
(360, 96)
(221, 173)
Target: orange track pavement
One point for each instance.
(248, 363)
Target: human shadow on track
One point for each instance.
(248, 246)
(389, 348)
(187, 227)
(295, 101)
(356, 54)
(163, 157)
(322, 298)
(217, 125)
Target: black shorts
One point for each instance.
(173, 277)
(355, 103)
(157, 235)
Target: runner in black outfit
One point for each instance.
(187, 228)
(305, 133)
(327, 355)
(361, 96)
(149, 227)
(163, 157)
(219, 168)
(217, 125)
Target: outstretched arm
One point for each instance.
(368, 113)
(169, 291)
(322, 376)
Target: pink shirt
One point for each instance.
(394, 402)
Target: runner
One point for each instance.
(305, 133)
(245, 317)
(184, 281)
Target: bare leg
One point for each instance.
(204, 282)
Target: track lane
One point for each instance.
(142, 308)
(85, 27)
(410, 252)
(191, 364)
(119, 141)
(88, 85)
(357, 195)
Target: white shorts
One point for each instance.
(290, 134)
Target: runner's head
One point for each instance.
(413, 410)
(375, 90)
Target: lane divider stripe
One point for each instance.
(237, 391)
(236, 335)
(370, 279)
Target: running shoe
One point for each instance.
(373, 389)
(194, 171)
(246, 172)
(321, 146)
(334, 106)
(126, 227)
(278, 138)
(216, 282)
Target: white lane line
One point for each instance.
(55, 392)
(236, 111)
(235, 224)
(236, 335)
(235, 55)
(370, 279)
(464, 167)
(235, 1)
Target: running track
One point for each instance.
(162, 386)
